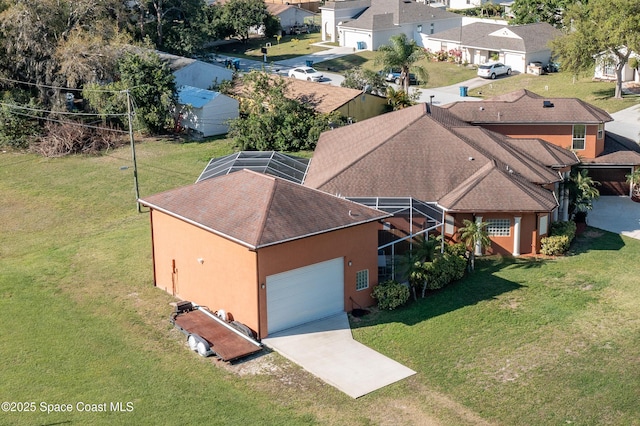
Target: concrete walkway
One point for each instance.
(326, 349)
(616, 214)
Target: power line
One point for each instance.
(59, 112)
(68, 89)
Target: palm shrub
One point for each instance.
(634, 181)
(390, 294)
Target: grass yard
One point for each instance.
(520, 341)
(288, 47)
(560, 85)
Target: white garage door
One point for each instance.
(305, 294)
(515, 60)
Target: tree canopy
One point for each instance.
(531, 11)
(402, 53)
(271, 121)
(608, 29)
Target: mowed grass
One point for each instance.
(523, 341)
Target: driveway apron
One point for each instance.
(616, 214)
(326, 349)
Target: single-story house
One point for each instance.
(566, 122)
(425, 153)
(310, 5)
(192, 72)
(514, 45)
(372, 25)
(324, 98)
(606, 63)
(290, 16)
(205, 111)
(272, 253)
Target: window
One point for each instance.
(600, 130)
(579, 136)
(544, 224)
(499, 227)
(449, 225)
(362, 279)
(431, 28)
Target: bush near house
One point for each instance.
(390, 295)
(560, 236)
(444, 270)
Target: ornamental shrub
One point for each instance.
(390, 295)
(554, 245)
(567, 228)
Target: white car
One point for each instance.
(306, 73)
(493, 70)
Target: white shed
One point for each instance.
(205, 111)
(192, 72)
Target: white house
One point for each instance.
(514, 45)
(205, 111)
(192, 72)
(606, 63)
(290, 16)
(366, 25)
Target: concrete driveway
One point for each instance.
(616, 214)
(326, 349)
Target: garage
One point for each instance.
(613, 180)
(515, 60)
(305, 294)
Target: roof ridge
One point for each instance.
(274, 183)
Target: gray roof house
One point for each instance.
(372, 25)
(514, 45)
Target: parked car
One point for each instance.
(306, 73)
(493, 70)
(394, 75)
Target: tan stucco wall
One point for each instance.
(224, 280)
(560, 135)
(357, 244)
(230, 275)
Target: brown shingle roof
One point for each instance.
(525, 107)
(494, 188)
(618, 151)
(421, 152)
(323, 98)
(257, 210)
(546, 153)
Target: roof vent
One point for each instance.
(481, 108)
(547, 104)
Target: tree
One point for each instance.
(582, 192)
(474, 235)
(271, 121)
(531, 11)
(151, 85)
(399, 99)
(634, 180)
(366, 80)
(608, 28)
(241, 15)
(403, 53)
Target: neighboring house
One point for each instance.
(425, 154)
(466, 4)
(192, 72)
(325, 98)
(310, 5)
(371, 26)
(515, 45)
(334, 13)
(272, 253)
(205, 111)
(566, 122)
(606, 63)
(290, 16)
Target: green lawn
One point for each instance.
(518, 342)
(287, 47)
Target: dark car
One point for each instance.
(393, 75)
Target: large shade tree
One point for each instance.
(531, 11)
(403, 53)
(607, 28)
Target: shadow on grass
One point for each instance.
(341, 64)
(595, 239)
(477, 286)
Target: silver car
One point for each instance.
(493, 70)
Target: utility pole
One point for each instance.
(133, 149)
